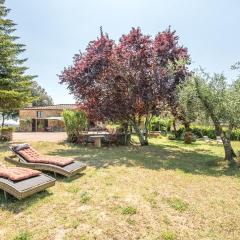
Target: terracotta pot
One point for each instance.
(188, 137)
(7, 134)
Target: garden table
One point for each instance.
(97, 140)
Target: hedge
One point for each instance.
(201, 131)
(6, 128)
(160, 124)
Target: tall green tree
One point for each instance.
(219, 100)
(15, 84)
(41, 96)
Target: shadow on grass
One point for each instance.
(61, 178)
(4, 147)
(155, 156)
(16, 206)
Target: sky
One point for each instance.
(54, 30)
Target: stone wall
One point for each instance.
(32, 113)
(25, 125)
(26, 116)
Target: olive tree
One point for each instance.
(218, 99)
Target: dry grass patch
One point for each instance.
(166, 191)
(177, 204)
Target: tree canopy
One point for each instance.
(130, 80)
(41, 97)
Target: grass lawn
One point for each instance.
(167, 190)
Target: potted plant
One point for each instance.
(188, 136)
(6, 133)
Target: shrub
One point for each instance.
(7, 128)
(165, 124)
(75, 122)
(201, 131)
(171, 137)
(180, 133)
(161, 124)
(235, 135)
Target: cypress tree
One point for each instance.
(15, 84)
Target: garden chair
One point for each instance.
(110, 139)
(23, 182)
(30, 158)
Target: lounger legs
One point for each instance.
(5, 195)
(55, 174)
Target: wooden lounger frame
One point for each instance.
(24, 188)
(67, 171)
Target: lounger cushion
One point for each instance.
(21, 146)
(29, 154)
(32, 156)
(59, 161)
(18, 173)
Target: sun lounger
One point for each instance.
(30, 158)
(23, 182)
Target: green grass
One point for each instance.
(85, 197)
(22, 236)
(167, 190)
(129, 210)
(178, 204)
(168, 235)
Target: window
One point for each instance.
(39, 114)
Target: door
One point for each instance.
(34, 125)
(45, 125)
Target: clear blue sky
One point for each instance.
(54, 30)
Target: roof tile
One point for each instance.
(52, 107)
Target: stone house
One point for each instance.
(42, 119)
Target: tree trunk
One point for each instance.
(147, 127)
(229, 152)
(3, 119)
(174, 128)
(226, 139)
(142, 139)
(125, 127)
(186, 126)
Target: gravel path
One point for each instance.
(39, 136)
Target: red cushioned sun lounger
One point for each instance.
(23, 182)
(30, 158)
